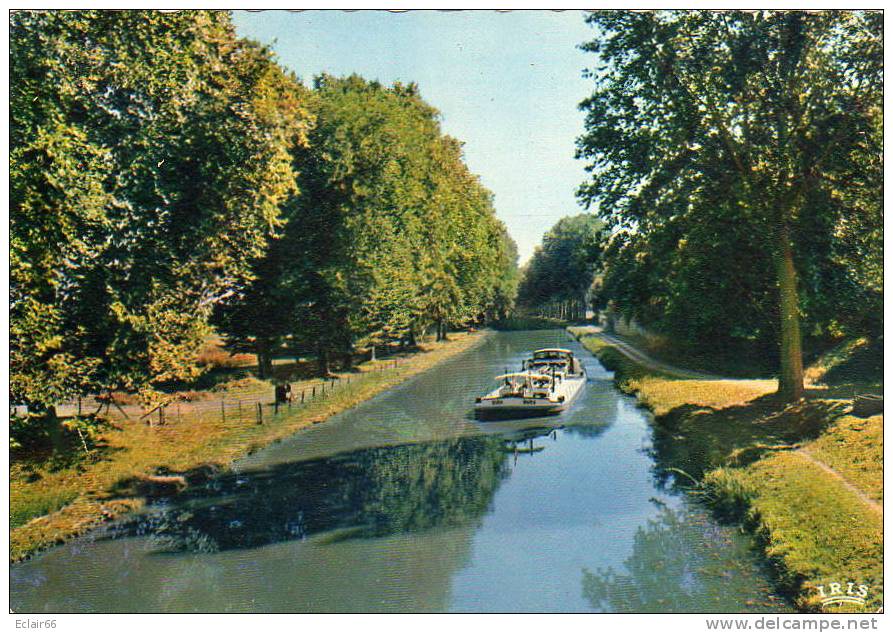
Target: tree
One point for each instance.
(720, 123)
(389, 234)
(361, 180)
(150, 157)
(563, 268)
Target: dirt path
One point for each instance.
(871, 503)
(652, 363)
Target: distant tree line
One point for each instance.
(558, 280)
(737, 159)
(168, 177)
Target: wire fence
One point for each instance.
(232, 407)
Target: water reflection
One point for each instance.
(361, 494)
(402, 504)
(681, 562)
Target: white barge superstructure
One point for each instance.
(550, 381)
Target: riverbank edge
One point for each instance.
(732, 498)
(84, 515)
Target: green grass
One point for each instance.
(735, 358)
(664, 393)
(853, 366)
(35, 503)
(814, 530)
(854, 447)
(741, 445)
(49, 503)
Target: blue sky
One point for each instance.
(507, 84)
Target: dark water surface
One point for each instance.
(406, 503)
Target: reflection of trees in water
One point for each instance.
(367, 493)
(671, 455)
(681, 562)
(588, 430)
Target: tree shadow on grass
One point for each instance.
(691, 440)
(59, 448)
(856, 369)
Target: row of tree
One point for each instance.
(167, 177)
(558, 280)
(390, 235)
(737, 159)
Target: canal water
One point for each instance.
(406, 503)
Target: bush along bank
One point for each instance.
(806, 479)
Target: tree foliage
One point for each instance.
(564, 267)
(737, 157)
(167, 177)
(150, 153)
(391, 233)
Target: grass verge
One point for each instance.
(49, 504)
(803, 477)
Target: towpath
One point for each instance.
(644, 359)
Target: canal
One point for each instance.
(406, 503)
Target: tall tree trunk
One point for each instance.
(264, 362)
(322, 356)
(790, 383)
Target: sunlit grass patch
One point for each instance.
(663, 395)
(854, 447)
(662, 392)
(75, 518)
(214, 355)
(815, 530)
(29, 502)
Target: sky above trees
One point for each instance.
(506, 83)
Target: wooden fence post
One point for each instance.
(302, 396)
(260, 413)
(222, 411)
(240, 409)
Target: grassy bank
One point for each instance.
(52, 499)
(805, 478)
